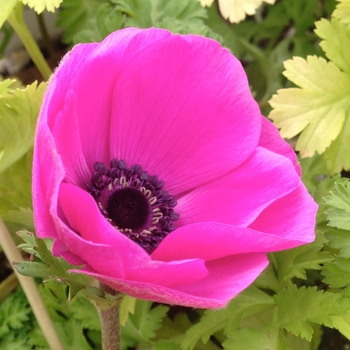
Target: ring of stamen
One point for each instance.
(134, 202)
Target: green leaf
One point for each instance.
(14, 313)
(74, 15)
(40, 5)
(318, 109)
(337, 274)
(314, 171)
(83, 311)
(294, 262)
(336, 42)
(71, 334)
(15, 194)
(270, 338)
(339, 239)
(107, 20)
(127, 306)
(250, 302)
(19, 110)
(6, 7)
(299, 308)
(147, 13)
(143, 324)
(49, 267)
(339, 200)
(5, 85)
(342, 12)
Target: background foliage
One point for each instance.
(297, 57)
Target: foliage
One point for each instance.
(319, 108)
(304, 289)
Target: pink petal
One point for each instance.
(183, 110)
(81, 71)
(271, 139)
(240, 196)
(47, 172)
(292, 217)
(69, 146)
(227, 277)
(283, 225)
(110, 252)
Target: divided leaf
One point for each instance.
(148, 13)
(143, 324)
(336, 42)
(49, 267)
(251, 301)
(337, 274)
(15, 194)
(107, 20)
(256, 339)
(294, 262)
(13, 314)
(74, 15)
(339, 200)
(6, 7)
(342, 12)
(19, 110)
(40, 5)
(312, 307)
(317, 109)
(236, 10)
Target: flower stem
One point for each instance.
(31, 290)
(108, 311)
(17, 23)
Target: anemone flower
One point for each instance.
(154, 169)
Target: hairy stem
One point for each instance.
(31, 290)
(108, 311)
(17, 23)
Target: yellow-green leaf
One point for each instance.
(342, 12)
(317, 109)
(236, 10)
(336, 42)
(40, 5)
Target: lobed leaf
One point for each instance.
(15, 194)
(40, 5)
(337, 274)
(256, 339)
(143, 324)
(339, 200)
(313, 307)
(236, 10)
(19, 110)
(74, 15)
(6, 7)
(107, 20)
(336, 42)
(317, 110)
(249, 302)
(294, 262)
(14, 313)
(147, 13)
(342, 11)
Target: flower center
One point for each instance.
(128, 208)
(133, 202)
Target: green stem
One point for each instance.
(17, 23)
(31, 290)
(108, 311)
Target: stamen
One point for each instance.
(134, 202)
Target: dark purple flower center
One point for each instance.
(134, 202)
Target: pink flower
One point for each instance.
(154, 169)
